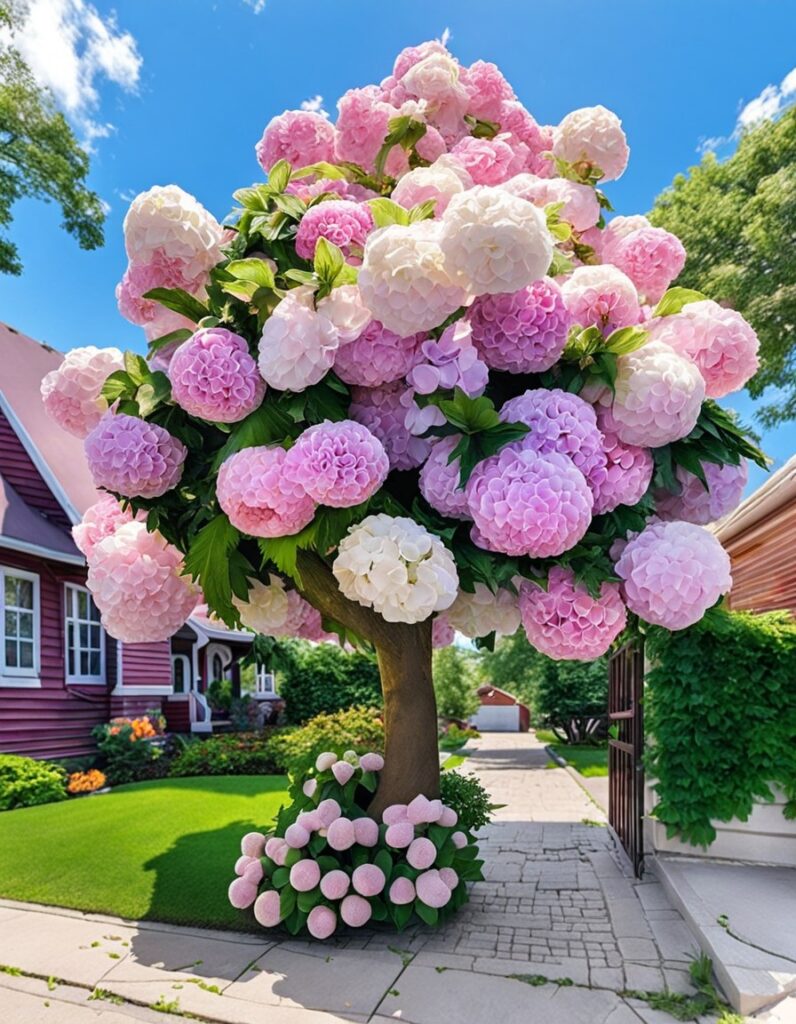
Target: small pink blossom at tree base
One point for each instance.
(254, 872)
(297, 836)
(305, 875)
(371, 762)
(449, 877)
(335, 884)
(565, 622)
(309, 787)
(368, 880)
(449, 817)
(341, 835)
(366, 831)
(321, 922)
(402, 891)
(377, 356)
(355, 911)
(72, 393)
(134, 458)
(99, 521)
(342, 222)
(699, 504)
(394, 814)
(421, 853)
(214, 378)
(337, 464)
(257, 496)
(594, 136)
(266, 909)
(432, 890)
(342, 772)
(273, 845)
(459, 840)
(323, 762)
(601, 296)
(253, 844)
(242, 893)
(242, 863)
(301, 137)
(400, 834)
(672, 573)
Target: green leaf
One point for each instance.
(287, 901)
(118, 385)
(136, 367)
(401, 915)
(307, 900)
(209, 561)
(386, 212)
(422, 211)
(625, 339)
(560, 264)
(429, 915)
(674, 300)
(321, 170)
(329, 261)
(279, 176)
(482, 129)
(383, 860)
(283, 551)
(153, 392)
(268, 424)
(167, 339)
(255, 198)
(179, 301)
(280, 877)
(402, 131)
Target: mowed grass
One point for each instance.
(589, 761)
(161, 850)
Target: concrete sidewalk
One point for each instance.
(557, 932)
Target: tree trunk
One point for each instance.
(411, 761)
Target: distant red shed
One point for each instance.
(500, 712)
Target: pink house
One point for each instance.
(60, 673)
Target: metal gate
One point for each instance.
(625, 749)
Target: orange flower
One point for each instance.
(85, 782)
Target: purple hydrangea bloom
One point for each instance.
(628, 473)
(699, 504)
(134, 458)
(377, 356)
(214, 377)
(338, 464)
(439, 480)
(383, 411)
(451, 362)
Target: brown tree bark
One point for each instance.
(410, 711)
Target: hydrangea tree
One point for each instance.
(415, 382)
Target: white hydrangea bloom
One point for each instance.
(482, 612)
(403, 279)
(395, 566)
(298, 344)
(170, 222)
(439, 182)
(347, 312)
(594, 135)
(266, 610)
(494, 242)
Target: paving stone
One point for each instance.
(637, 949)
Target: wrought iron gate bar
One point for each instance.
(626, 748)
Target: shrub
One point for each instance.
(226, 754)
(452, 737)
(245, 714)
(129, 747)
(318, 678)
(466, 795)
(85, 782)
(219, 695)
(455, 682)
(572, 698)
(359, 728)
(327, 863)
(26, 783)
(721, 708)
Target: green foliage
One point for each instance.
(732, 216)
(358, 728)
(126, 757)
(572, 697)
(322, 678)
(452, 737)
(25, 782)
(721, 708)
(705, 1001)
(466, 795)
(455, 682)
(40, 158)
(219, 695)
(238, 753)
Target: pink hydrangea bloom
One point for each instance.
(99, 521)
(488, 161)
(334, 884)
(243, 862)
(449, 362)
(439, 480)
(401, 892)
(342, 771)
(523, 331)
(298, 343)
(266, 909)
(344, 223)
(305, 875)
(338, 464)
(371, 762)
(214, 378)
(341, 835)
(242, 893)
(307, 189)
(134, 458)
(394, 814)
(449, 877)
(328, 810)
(628, 472)
(421, 853)
(321, 922)
(72, 393)
(581, 208)
(651, 257)
(273, 844)
(411, 55)
(442, 632)
(419, 811)
(672, 573)
(324, 761)
(297, 836)
(253, 844)
(487, 90)
(355, 911)
(310, 821)
(257, 496)
(366, 830)
(658, 395)
(159, 272)
(309, 787)
(377, 356)
(523, 131)
(346, 312)
(165, 225)
(459, 840)
(524, 503)
(302, 620)
(719, 341)
(619, 228)
(566, 622)
(601, 296)
(136, 580)
(400, 835)
(593, 135)
(368, 880)
(449, 817)
(362, 125)
(699, 504)
(383, 411)
(560, 422)
(432, 890)
(439, 183)
(254, 872)
(302, 137)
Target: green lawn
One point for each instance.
(586, 760)
(161, 850)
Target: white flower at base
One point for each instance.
(482, 612)
(395, 566)
(266, 610)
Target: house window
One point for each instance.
(20, 650)
(85, 639)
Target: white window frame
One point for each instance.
(13, 675)
(70, 597)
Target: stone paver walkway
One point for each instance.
(556, 932)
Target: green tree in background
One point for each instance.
(514, 666)
(737, 220)
(40, 157)
(456, 679)
(572, 698)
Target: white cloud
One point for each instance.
(445, 37)
(71, 48)
(258, 6)
(766, 106)
(314, 104)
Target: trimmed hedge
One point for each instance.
(25, 782)
(360, 729)
(236, 753)
(321, 678)
(721, 709)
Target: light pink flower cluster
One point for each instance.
(565, 622)
(377, 356)
(298, 343)
(71, 394)
(523, 331)
(451, 362)
(488, 161)
(487, 91)
(699, 504)
(159, 272)
(628, 472)
(362, 125)
(593, 135)
(338, 464)
(260, 500)
(481, 612)
(719, 341)
(99, 521)
(137, 582)
(302, 137)
(384, 412)
(524, 503)
(672, 573)
(581, 208)
(134, 458)
(601, 296)
(439, 480)
(342, 222)
(651, 257)
(439, 182)
(309, 188)
(442, 632)
(214, 378)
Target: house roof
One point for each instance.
(215, 629)
(486, 690)
(777, 491)
(24, 529)
(57, 455)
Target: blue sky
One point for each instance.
(180, 90)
